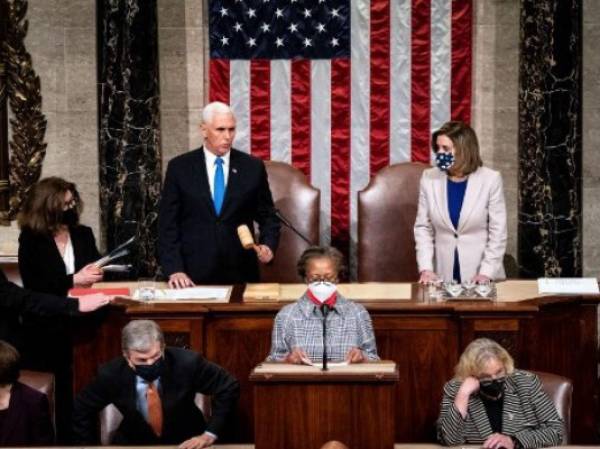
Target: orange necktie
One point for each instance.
(155, 414)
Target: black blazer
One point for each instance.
(16, 301)
(41, 265)
(186, 374)
(194, 240)
(27, 421)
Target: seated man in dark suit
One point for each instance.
(207, 194)
(154, 389)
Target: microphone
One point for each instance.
(289, 225)
(325, 311)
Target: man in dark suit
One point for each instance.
(207, 194)
(154, 388)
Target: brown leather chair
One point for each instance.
(560, 390)
(44, 383)
(387, 209)
(11, 271)
(111, 417)
(299, 202)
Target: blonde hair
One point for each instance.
(477, 354)
(466, 146)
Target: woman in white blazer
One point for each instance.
(460, 229)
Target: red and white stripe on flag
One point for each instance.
(340, 120)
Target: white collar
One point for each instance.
(211, 157)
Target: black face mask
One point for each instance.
(151, 372)
(492, 389)
(70, 217)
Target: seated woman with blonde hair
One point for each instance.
(491, 403)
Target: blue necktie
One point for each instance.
(219, 187)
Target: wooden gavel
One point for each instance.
(246, 238)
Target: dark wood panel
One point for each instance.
(239, 343)
(568, 339)
(306, 415)
(425, 350)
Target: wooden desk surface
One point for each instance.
(513, 296)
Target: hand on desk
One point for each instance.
(89, 303)
(264, 253)
(87, 276)
(198, 442)
(428, 277)
(480, 278)
(297, 356)
(497, 441)
(355, 355)
(180, 280)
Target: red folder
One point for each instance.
(115, 291)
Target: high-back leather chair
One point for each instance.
(560, 390)
(298, 202)
(387, 209)
(44, 383)
(111, 417)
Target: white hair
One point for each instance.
(214, 108)
(140, 335)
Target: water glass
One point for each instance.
(484, 288)
(146, 289)
(453, 288)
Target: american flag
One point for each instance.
(340, 88)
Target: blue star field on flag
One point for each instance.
(279, 29)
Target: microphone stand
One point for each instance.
(325, 311)
(286, 223)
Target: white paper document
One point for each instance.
(203, 293)
(566, 286)
(319, 364)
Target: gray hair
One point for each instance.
(214, 108)
(140, 335)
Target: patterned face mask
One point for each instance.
(444, 160)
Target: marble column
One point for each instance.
(550, 138)
(129, 127)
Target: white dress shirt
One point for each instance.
(211, 168)
(69, 257)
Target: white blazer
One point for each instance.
(481, 233)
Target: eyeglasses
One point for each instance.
(329, 279)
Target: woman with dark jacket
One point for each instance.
(56, 253)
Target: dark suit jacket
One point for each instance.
(41, 265)
(194, 240)
(27, 421)
(187, 373)
(47, 343)
(16, 301)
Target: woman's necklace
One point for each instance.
(61, 239)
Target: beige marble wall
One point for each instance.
(182, 66)
(591, 138)
(62, 44)
(496, 96)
